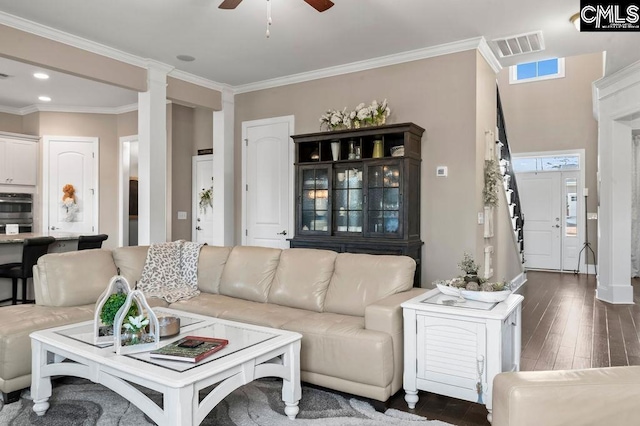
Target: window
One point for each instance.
(546, 164)
(536, 71)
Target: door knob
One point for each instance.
(53, 228)
(555, 226)
(198, 228)
(282, 233)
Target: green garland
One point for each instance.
(492, 178)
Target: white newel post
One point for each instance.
(153, 179)
(223, 158)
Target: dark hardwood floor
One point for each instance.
(563, 327)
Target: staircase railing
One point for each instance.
(510, 184)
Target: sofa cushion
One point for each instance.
(246, 311)
(302, 278)
(130, 261)
(20, 321)
(210, 266)
(62, 277)
(249, 272)
(361, 279)
(329, 342)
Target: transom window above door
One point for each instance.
(546, 163)
(536, 71)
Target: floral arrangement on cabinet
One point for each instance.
(373, 115)
(471, 281)
(69, 203)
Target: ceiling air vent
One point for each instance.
(519, 44)
(3, 76)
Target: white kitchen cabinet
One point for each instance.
(18, 159)
(454, 347)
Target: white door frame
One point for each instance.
(124, 172)
(46, 140)
(582, 226)
(290, 119)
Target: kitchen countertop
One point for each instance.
(19, 238)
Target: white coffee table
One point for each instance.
(253, 352)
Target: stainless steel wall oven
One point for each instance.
(16, 208)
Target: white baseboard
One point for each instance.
(518, 281)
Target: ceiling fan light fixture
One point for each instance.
(575, 20)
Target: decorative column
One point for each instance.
(154, 188)
(223, 178)
(616, 106)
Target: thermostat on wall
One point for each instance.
(442, 171)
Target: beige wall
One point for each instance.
(104, 127)
(202, 129)
(182, 130)
(127, 124)
(10, 123)
(438, 94)
(555, 115)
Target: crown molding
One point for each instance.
(383, 61)
(626, 77)
(70, 39)
(199, 81)
(101, 49)
(70, 109)
(489, 56)
(10, 110)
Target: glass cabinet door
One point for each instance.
(383, 199)
(314, 203)
(347, 199)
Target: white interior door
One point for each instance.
(268, 182)
(540, 195)
(202, 180)
(74, 161)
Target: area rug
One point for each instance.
(79, 402)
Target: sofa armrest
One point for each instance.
(385, 315)
(597, 396)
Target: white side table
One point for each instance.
(457, 350)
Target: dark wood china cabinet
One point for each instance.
(358, 191)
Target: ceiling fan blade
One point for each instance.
(320, 5)
(229, 4)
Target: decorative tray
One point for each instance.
(481, 296)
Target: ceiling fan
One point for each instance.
(319, 5)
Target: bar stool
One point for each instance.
(32, 249)
(91, 241)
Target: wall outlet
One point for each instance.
(182, 215)
(592, 216)
(442, 171)
(480, 218)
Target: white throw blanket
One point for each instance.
(171, 271)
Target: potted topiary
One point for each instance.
(470, 268)
(112, 305)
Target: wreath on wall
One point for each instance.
(206, 199)
(69, 203)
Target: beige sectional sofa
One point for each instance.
(346, 306)
(596, 396)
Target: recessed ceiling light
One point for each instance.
(186, 58)
(44, 98)
(41, 76)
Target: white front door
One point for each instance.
(70, 161)
(540, 195)
(267, 177)
(202, 211)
